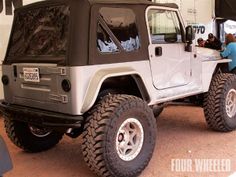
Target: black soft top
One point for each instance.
(92, 2)
(81, 50)
(137, 2)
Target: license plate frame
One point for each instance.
(31, 74)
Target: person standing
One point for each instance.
(213, 43)
(201, 42)
(230, 51)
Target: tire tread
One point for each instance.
(212, 102)
(96, 125)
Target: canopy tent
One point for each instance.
(225, 9)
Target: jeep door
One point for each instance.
(170, 63)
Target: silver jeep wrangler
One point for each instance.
(99, 68)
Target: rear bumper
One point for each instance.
(40, 117)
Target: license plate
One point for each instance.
(31, 74)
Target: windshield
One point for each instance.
(40, 32)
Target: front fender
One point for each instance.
(208, 69)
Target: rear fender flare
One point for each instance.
(97, 80)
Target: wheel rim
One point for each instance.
(231, 103)
(129, 139)
(38, 131)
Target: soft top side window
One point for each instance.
(164, 26)
(104, 42)
(122, 24)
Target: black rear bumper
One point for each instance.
(40, 117)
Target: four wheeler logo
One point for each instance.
(9, 5)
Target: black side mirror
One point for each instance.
(190, 34)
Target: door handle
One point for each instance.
(158, 51)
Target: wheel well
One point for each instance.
(221, 68)
(129, 84)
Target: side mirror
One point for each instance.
(190, 34)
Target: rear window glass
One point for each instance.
(40, 32)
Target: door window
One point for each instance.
(164, 27)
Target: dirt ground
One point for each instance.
(182, 134)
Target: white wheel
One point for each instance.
(230, 103)
(129, 139)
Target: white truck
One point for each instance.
(97, 68)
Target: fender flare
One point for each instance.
(208, 70)
(100, 76)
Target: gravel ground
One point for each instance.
(182, 134)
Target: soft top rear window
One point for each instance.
(41, 31)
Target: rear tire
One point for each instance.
(119, 136)
(220, 103)
(31, 138)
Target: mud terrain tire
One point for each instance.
(20, 133)
(220, 103)
(106, 130)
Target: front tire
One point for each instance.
(119, 136)
(220, 103)
(31, 138)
